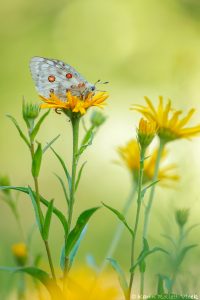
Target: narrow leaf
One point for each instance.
(75, 234)
(92, 263)
(64, 188)
(184, 251)
(37, 126)
(169, 238)
(79, 175)
(50, 144)
(62, 258)
(147, 187)
(64, 167)
(76, 247)
(121, 276)
(19, 130)
(56, 211)
(144, 255)
(120, 217)
(47, 221)
(35, 206)
(37, 159)
(87, 141)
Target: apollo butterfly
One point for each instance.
(52, 75)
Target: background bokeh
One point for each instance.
(144, 47)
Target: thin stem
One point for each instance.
(119, 230)
(139, 199)
(176, 265)
(75, 131)
(150, 202)
(151, 197)
(141, 285)
(42, 218)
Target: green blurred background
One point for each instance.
(144, 47)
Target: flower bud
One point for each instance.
(181, 216)
(20, 253)
(30, 113)
(97, 118)
(146, 132)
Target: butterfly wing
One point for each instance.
(52, 75)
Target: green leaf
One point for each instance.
(35, 206)
(120, 217)
(56, 211)
(50, 144)
(147, 187)
(37, 126)
(79, 175)
(64, 188)
(184, 251)
(160, 288)
(62, 258)
(64, 168)
(190, 229)
(47, 221)
(142, 264)
(76, 247)
(87, 141)
(91, 262)
(121, 276)
(37, 159)
(75, 233)
(169, 238)
(39, 274)
(144, 254)
(19, 130)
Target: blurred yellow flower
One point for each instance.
(130, 155)
(83, 284)
(170, 126)
(146, 132)
(74, 103)
(20, 252)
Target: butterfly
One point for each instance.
(55, 76)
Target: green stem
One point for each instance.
(75, 131)
(151, 197)
(150, 202)
(41, 217)
(139, 200)
(141, 285)
(119, 230)
(177, 264)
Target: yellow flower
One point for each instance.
(130, 155)
(74, 103)
(170, 125)
(146, 132)
(20, 253)
(83, 284)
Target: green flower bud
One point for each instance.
(181, 216)
(30, 113)
(97, 118)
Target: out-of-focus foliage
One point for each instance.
(142, 48)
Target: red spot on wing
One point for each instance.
(51, 78)
(69, 75)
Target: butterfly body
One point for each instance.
(55, 76)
